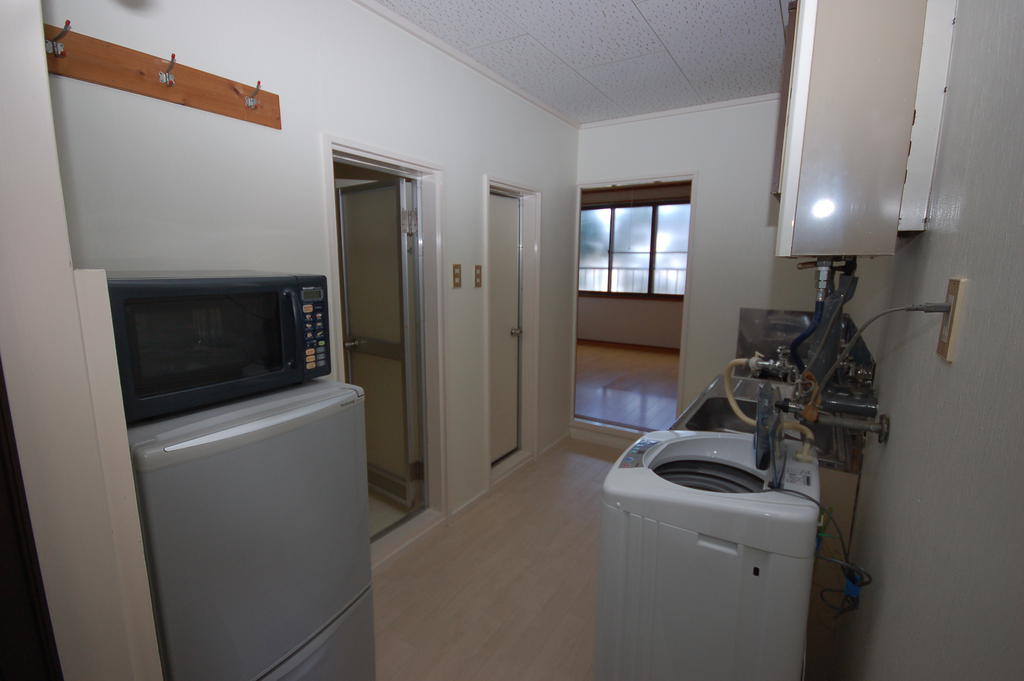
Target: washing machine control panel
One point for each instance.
(634, 457)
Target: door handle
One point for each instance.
(515, 331)
(353, 344)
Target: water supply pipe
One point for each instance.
(823, 287)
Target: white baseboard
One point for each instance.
(556, 444)
(509, 465)
(609, 436)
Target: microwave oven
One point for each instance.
(187, 340)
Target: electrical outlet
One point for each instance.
(478, 276)
(949, 332)
(456, 276)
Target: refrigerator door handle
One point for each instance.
(236, 436)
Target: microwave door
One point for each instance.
(196, 347)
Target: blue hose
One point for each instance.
(794, 347)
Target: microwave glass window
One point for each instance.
(192, 342)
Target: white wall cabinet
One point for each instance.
(849, 114)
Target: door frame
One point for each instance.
(529, 305)
(613, 435)
(431, 178)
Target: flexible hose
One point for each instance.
(917, 307)
(794, 347)
(853, 341)
(807, 435)
(732, 398)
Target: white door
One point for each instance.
(503, 249)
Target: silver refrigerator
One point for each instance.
(255, 527)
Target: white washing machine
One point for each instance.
(704, 576)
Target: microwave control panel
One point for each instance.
(315, 331)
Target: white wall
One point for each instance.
(153, 185)
(43, 355)
(941, 505)
(655, 323)
(731, 265)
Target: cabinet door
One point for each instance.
(851, 109)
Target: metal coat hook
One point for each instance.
(166, 77)
(54, 46)
(250, 101)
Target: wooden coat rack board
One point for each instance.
(96, 61)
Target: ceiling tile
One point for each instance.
(593, 60)
(584, 32)
(463, 24)
(531, 66)
(652, 82)
(728, 49)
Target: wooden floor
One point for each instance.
(507, 589)
(626, 385)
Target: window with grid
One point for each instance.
(637, 245)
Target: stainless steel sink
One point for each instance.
(715, 414)
(711, 410)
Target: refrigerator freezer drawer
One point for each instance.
(343, 650)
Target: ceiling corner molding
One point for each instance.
(465, 59)
(686, 110)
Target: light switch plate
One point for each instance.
(478, 276)
(949, 332)
(456, 276)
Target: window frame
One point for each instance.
(652, 253)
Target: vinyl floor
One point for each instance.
(626, 385)
(506, 590)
